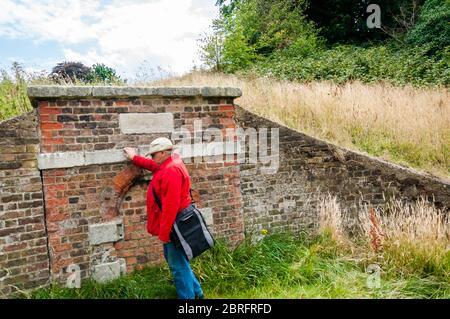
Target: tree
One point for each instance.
(254, 29)
(432, 28)
(74, 72)
(103, 73)
(345, 21)
(71, 72)
(227, 9)
(211, 47)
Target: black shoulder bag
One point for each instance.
(189, 230)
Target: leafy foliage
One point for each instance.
(77, 72)
(13, 93)
(102, 73)
(433, 27)
(344, 21)
(347, 63)
(70, 71)
(329, 40)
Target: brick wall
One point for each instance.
(70, 201)
(286, 200)
(23, 244)
(75, 196)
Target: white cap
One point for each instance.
(160, 144)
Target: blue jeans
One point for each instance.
(186, 283)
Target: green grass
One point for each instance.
(388, 62)
(276, 267)
(13, 97)
(417, 155)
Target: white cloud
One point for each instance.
(124, 32)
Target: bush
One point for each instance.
(389, 62)
(70, 72)
(13, 94)
(433, 27)
(100, 73)
(76, 72)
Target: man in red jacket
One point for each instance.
(171, 184)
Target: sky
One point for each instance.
(137, 38)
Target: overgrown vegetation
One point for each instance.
(330, 40)
(13, 85)
(405, 125)
(70, 72)
(13, 93)
(409, 245)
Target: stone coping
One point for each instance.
(43, 92)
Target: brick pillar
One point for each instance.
(95, 201)
(24, 260)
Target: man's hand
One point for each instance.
(129, 152)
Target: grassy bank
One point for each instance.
(405, 125)
(13, 96)
(409, 245)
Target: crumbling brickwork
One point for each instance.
(287, 200)
(23, 241)
(88, 194)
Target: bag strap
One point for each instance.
(157, 200)
(192, 198)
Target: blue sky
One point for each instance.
(135, 37)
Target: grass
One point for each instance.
(13, 96)
(412, 254)
(276, 267)
(406, 125)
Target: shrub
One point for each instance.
(13, 93)
(70, 72)
(432, 28)
(392, 63)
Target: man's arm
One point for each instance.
(140, 161)
(170, 193)
(145, 163)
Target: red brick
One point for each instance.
(57, 217)
(45, 118)
(51, 126)
(47, 134)
(48, 148)
(122, 103)
(227, 121)
(52, 141)
(56, 202)
(14, 247)
(49, 110)
(57, 187)
(226, 107)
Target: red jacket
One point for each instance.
(172, 184)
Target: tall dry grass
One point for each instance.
(407, 125)
(406, 238)
(331, 220)
(412, 237)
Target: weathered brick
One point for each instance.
(51, 126)
(67, 118)
(49, 110)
